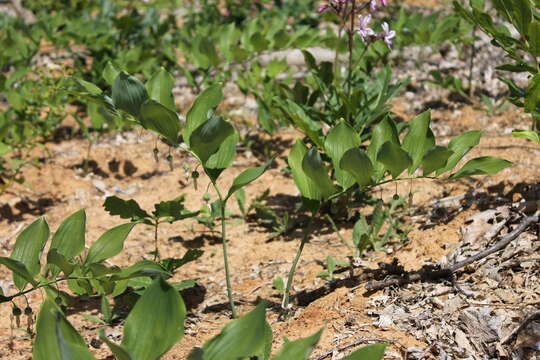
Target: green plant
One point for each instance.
(522, 50)
(448, 82)
(166, 211)
(212, 140)
(331, 265)
(340, 157)
(368, 233)
(493, 106)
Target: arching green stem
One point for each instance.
(305, 238)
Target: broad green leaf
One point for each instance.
(460, 145)
(314, 168)
(89, 87)
(246, 177)
(160, 88)
(158, 118)
(534, 38)
(304, 183)
(394, 158)
(141, 268)
(126, 209)
(28, 248)
(532, 95)
(156, 322)
(223, 158)
(435, 159)
(419, 140)
(198, 114)
(207, 138)
(109, 244)
(527, 134)
(110, 73)
(360, 236)
(298, 349)
(238, 339)
(369, 352)
(56, 339)
(340, 139)
(357, 163)
(382, 132)
(128, 93)
(485, 165)
(302, 121)
(518, 12)
(70, 237)
(20, 272)
(60, 261)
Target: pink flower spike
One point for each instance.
(387, 34)
(384, 2)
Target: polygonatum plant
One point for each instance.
(353, 166)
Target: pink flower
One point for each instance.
(337, 5)
(323, 8)
(366, 33)
(387, 35)
(373, 4)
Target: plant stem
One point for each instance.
(225, 252)
(351, 38)
(305, 238)
(21, 293)
(156, 250)
(471, 62)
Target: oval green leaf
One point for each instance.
(207, 138)
(314, 168)
(340, 139)
(56, 339)
(485, 165)
(160, 88)
(394, 158)
(156, 117)
(246, 177)
(156, 322)
(299, 349)
(28, 248)
(209, 99)
(109, 244)
(357, 163)
(128, 93)
(238, 339)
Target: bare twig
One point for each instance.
(357, 342)
(449, 271)
(531, 317)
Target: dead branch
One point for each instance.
(447, 272)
